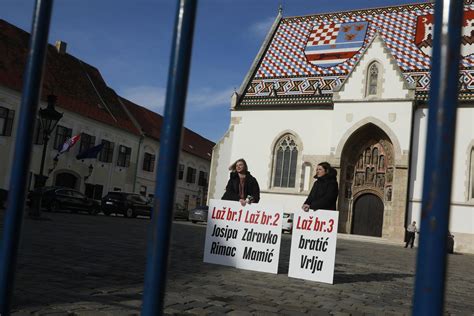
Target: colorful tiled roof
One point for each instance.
(79, 86)
(151, 122)
(312, 55)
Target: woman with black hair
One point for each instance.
(325, 189)
(242, 186)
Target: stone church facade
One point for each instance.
(350, 88)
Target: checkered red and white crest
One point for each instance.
(324, 34)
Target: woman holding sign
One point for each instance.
(242, 186)
(324, 193)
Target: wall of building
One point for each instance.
(462, 206)
(110, 176)
(192, 194)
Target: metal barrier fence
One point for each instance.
(431, 263)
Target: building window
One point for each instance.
(202, 181)
(38, 136)
(471, 180)
(62, 134)
(107, 151)
(285, 157)
(181, 172)
(124, 154)
(191, 175)
(149, 162)
(6, 121)
(87, 141)
(373, 79)
(186, 201)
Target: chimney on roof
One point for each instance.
(61, 47)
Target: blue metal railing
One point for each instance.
(159, 236)
(23, 148)
(431, 261)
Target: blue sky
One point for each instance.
(129, 42)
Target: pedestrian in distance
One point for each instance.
(411, 231)
(242, 186)
(325, 189)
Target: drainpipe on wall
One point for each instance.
(409, 169)
(140, 142)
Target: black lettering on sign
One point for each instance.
(224, 232)
(250, 235)
(312, 263)
(255, 255)
(319, 244)
(218, 249)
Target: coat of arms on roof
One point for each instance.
(331, 44)
(425, 29)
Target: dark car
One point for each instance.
(180, 211)
(199, 214)
(60, 198)
(128, 204)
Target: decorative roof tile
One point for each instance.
(319, 51)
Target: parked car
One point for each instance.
(287, 223)
(180, 211)
(199, 214)
(128, 204)
(450, 243)
(61, 198)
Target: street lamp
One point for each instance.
(91, 168)
(49, 118)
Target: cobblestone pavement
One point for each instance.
(74, 264)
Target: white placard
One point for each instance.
(313, 245)
(246, 237)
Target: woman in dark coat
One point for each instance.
(324, 193)
(242, 186)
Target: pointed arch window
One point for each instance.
(285, 157)
(373, 79)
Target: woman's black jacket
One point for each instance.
(250, 188)
(324, 193)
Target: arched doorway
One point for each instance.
(366, 183)
(367, 216)
(66, 179)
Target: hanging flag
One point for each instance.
(90, 153)
(68, 144)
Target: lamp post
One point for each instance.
(91, 168)
(49, 118)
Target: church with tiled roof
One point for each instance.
(350, 88)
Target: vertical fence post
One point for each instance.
(431, 261)
(170, 143)
(23, 148)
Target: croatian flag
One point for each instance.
(332, 44)
(69, 143)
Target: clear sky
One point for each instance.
(129, 41)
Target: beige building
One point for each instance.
(129, 133)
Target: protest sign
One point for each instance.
(246, 237)
(313, 245)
